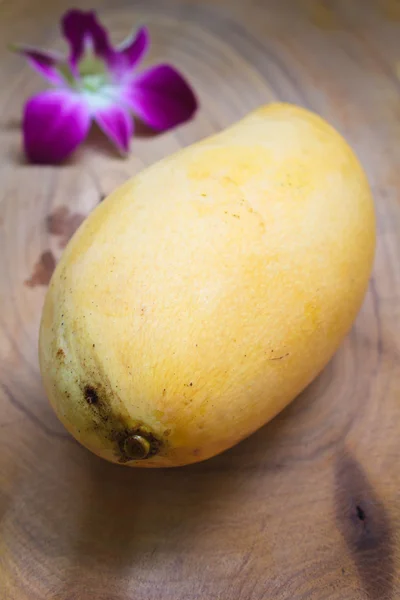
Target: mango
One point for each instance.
(203, 295)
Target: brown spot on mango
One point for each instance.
(91, 395)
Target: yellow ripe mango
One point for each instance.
(204, 294)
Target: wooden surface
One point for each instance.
(308, 507)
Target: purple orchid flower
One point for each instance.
(98, 82)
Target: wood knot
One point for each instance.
(365, 526)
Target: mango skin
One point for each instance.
(204, 294)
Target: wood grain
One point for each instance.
(306, 508)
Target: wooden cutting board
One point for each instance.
(306, 508)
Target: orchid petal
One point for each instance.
(133, 49)
(117, 124)
(161, 97)
(55, 123)
(45, 63)
(81, 29)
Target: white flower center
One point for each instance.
(93, 83)
(100, 97)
